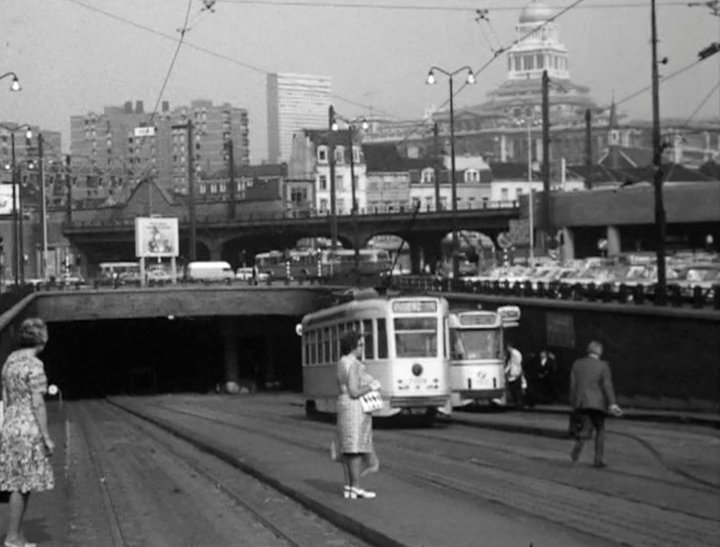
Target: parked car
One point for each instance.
(246, 273)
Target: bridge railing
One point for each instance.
(697, 296)
(297, 214)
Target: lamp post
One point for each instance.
(351, 128)
(15, 85)
(431, 80)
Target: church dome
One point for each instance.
(535, 12)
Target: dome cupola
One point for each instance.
(535, 12)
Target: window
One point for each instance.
(416, 337)
(427, 176)
(382, 339)
(367, 328)
(472, 175)
(322, 182)
(322, 154)
(340, 154)
(504, 194)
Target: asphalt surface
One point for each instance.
(379, 522)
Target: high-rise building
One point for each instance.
(294, 102)
(125, 144)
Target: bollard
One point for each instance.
(527, 288)
(591, 292)
(606, 292)
(675, 295)
(638, 294)
(698, 297)
(623, 293)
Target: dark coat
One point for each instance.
(591, 384)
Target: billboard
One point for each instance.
(6, 202)
(156, 237)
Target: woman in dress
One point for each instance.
(25, 445)
(354, 426)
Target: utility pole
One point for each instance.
(354, 212)
(68, 187)
(547, 221)
(588, 149)
(231, 173)
(661, 293)
(43, 210)
(16, 247)
(436, 166)
(191, 187)
(331, 163)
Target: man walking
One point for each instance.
(592, 395)
(514, 374)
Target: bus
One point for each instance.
(477, 354)
(292, 264)
(342, 262)
(119, 273)
(406, 350)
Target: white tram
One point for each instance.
(477, 354)
(406, 349)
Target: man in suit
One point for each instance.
(592, 395)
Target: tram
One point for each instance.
(305, 263)
(406, 349)
(477, 354)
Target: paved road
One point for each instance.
(463, 482)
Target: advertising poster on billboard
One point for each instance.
(156, 237)
(6, 203)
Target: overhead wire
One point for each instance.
(402, 7)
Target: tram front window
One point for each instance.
(416, 337)
(476, 344)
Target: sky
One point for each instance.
(78, 56)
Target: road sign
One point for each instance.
(144, 132)
(504, 240)
(520, 231)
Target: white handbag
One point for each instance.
(371, 401)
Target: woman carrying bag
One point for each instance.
(355, 442)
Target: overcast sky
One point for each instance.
(77, 56)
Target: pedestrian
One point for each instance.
(591, 397)
(514, 378)
(544, 377)
(25, 444)
(354, 427)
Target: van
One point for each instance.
(209, 271)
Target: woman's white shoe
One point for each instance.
(356, 492)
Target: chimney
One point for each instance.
(139, 107)
(166, 106)
(128, 107)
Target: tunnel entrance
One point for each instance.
(90, 359)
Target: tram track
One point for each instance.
(480, 483)
(267, 508)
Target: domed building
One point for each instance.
(508, 124)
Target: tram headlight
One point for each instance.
(417, 369)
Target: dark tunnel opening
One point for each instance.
(92, 359)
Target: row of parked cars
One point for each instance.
(689, 277)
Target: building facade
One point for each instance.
(294, 102)
(124, 145)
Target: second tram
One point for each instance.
(477, 354)
(406, 349)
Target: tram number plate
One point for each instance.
(418, 382)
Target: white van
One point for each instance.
(209, 271)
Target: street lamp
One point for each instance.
(15, 85)
(351, 128)
(431, 80)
